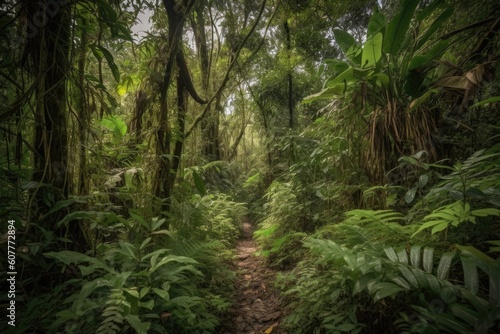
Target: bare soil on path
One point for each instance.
(257, 307)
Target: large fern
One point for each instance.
(386, 272)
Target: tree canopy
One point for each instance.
(358, 138)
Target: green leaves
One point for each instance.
(199, 184)
(99, 52)
(397, 28)
(372, 51)
(454, 214)
(116, 125)
(348, 45)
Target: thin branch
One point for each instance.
(226, 77)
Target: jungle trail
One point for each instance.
(237, 166)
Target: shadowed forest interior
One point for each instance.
(250, 166)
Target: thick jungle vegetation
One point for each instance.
(360, 138)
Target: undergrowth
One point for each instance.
(430, 268)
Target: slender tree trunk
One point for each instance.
(168, 161)
(289, 76)
(83, 118)
(210, 123)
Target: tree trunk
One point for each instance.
(289, 75)
(48, 48)
(168, 161)
(210, 123)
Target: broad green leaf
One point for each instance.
(116, 125)
(476, 253)
(363, 282)
(409, 276)
(89, 287)
(111, 62)
(344, 40)
(486, 212)
(137, 325)
(422, 180)
(106, 11)
(372, 50)
(376, 23)
(162, 294)
(68, 257)
(402, 256)
(144, 291)
(471, 277)
(434, 284)
(62, 204)
(386, 289)
(382, 79)
(423, 98)
(401, 282)
(391, 254)
(139, 219)
(444, 265)
(199, 184)
(145, 243)
(439, 226)
(397, 28)
(428, 259)
(433, 54)
(415, 256)
(410, 195)
(171, 258)
(348, 45)
(78, 215)
(344, 76)
(326, 94)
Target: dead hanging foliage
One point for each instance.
(401, 130)
(462, 87)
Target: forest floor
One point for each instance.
(257, 308)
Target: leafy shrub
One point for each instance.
(130, 288)
(210, 217)
(332, 285)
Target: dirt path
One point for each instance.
(257, 307)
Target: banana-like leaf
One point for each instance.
(397, 28)
(346, 75)
(376, 23)
(433, 54)
(326, 94)
(372, 50)
(347, 44)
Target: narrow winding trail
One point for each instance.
(257, 307)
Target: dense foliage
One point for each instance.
(361, 137)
